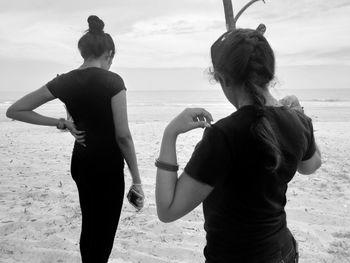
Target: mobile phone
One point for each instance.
(133, 196)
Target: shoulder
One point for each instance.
(113, 79)
(224, 123)
(303, 118)
(65, 75)
(237, 120)
(114, 83)
(306, 123)
(296, 118)
(111, 76)
(106, 78)
(59, 82)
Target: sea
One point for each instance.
(325, 105)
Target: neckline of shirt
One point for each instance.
(82, 69)
(266, 106)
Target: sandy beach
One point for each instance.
(40, 214)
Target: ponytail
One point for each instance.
(262, 129)
(246, 57)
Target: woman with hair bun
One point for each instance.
(241, 168)
(96, 99)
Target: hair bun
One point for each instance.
(96, 25)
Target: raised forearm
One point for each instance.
(166, 180)
(127, 148)
(175, 196)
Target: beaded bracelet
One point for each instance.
(166, 166)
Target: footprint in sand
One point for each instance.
(340, 248)
(341, 235)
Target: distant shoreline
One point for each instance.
(326, 95)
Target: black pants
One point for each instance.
(288, 253)
(101, 193)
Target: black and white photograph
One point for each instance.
(188, 131)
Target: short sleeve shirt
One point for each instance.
(245, 210)
(87, 94)
(209, 162)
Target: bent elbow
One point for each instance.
(318, 164)
(311, 165)
(164, 216)
(122, 133)
(165, 219)
(304, 171)
(123, 138)
(310, 170)
(10, 113)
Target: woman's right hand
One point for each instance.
(78, 135)
(189, 119)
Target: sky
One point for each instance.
(39, 37)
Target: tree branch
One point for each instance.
(244, 8)
(229, 16)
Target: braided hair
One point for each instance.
(244, 57)
(95, 41)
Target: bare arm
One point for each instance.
(175, 197)
(123, 135)
(310, 166)
(315, 162)
(23, 109)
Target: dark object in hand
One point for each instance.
(135, 198)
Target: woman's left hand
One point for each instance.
(292, 102)
(78, 135)
(189, 119)
(138, 200)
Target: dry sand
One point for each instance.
(40, 214)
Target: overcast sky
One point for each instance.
(164, 33)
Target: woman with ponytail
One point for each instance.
(96, 99)
(241, 168)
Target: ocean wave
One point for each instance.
(176, 104)
(325, 100)
(7, 102)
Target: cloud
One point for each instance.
(164, 33)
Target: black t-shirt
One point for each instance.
(244, 214)
(87, 95)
